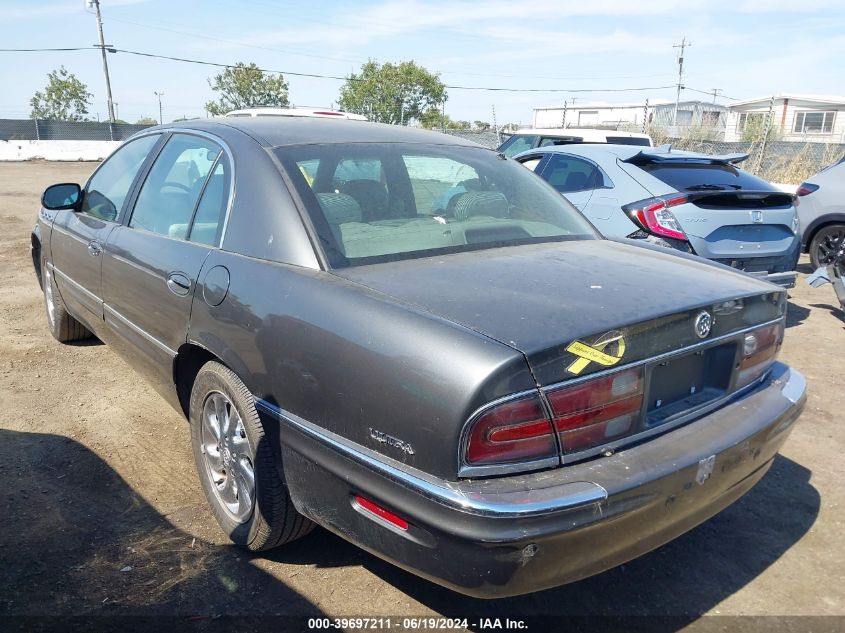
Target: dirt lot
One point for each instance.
(101, 512)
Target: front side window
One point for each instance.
(427, 200)
(517, 143)
(568, 174)
(173, 186)
(109, 186)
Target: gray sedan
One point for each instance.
(696, 203)
(412, 341)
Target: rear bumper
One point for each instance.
(514, 535)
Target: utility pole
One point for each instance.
(160, 117)
(102, 46)
(681, 46)
(715, 92)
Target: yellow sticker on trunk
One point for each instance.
(606, 351)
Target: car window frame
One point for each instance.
(144, 172)
(605, 177)
(139, 175)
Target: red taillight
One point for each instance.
(760, 348)
(653, 215)
(806, 187)
(518, 430)
(383, 513)
(597, 411)
(329, 113)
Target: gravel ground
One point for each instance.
(102, 513)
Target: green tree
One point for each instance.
(64, 99)
(481, 125)
(246, 86)
(393, 93)
(434, 119)
(755, 128)
(146, 120)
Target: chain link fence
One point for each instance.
(48, 130)
(788, 162)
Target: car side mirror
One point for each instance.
(62, 196)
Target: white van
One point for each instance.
(307, 112)
(530, 138)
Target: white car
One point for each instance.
(696, 203)
(531, 138)
(323, 113)
(822, 213)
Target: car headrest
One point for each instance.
(339, 208)
(371, 197)
(487, 203)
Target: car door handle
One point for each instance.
(179, 284)
(94, 248)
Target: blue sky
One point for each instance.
(748, 48)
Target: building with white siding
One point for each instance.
(794, 117)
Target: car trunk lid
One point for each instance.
(543, 299)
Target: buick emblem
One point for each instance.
(703, 323)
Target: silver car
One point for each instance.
(696, 203)
(822, 214)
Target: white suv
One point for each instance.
(308, 112)
(531, 138)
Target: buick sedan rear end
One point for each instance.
(415, 343)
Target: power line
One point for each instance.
(344, 78)
(339, 78)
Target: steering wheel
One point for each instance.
(177, 185)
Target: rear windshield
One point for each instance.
(705, 177)
(373, 202)
(629, 140)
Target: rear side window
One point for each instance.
(107, 190)
(517, 143)
(629, 140)
(207, 224)
(173, 186)
(568, 174)
(704, 177)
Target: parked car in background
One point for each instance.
(696, 203)
(530, 138)
(417, 344)
(320, 113)
(821, 214)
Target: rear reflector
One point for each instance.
(365, 504)
(597, 411)
(653, 215)
(806, 187)
(517, 430)
(760, 348)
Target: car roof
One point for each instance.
(281, 131)
(581, 131)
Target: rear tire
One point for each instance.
(236, 464)
(825, 243)
(63, 326)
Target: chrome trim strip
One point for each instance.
(566, 496)
(75, 284)
(166, 349)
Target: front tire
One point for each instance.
(63, 326)
(825, 244)
(236, 464)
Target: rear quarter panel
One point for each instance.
(349, 360)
